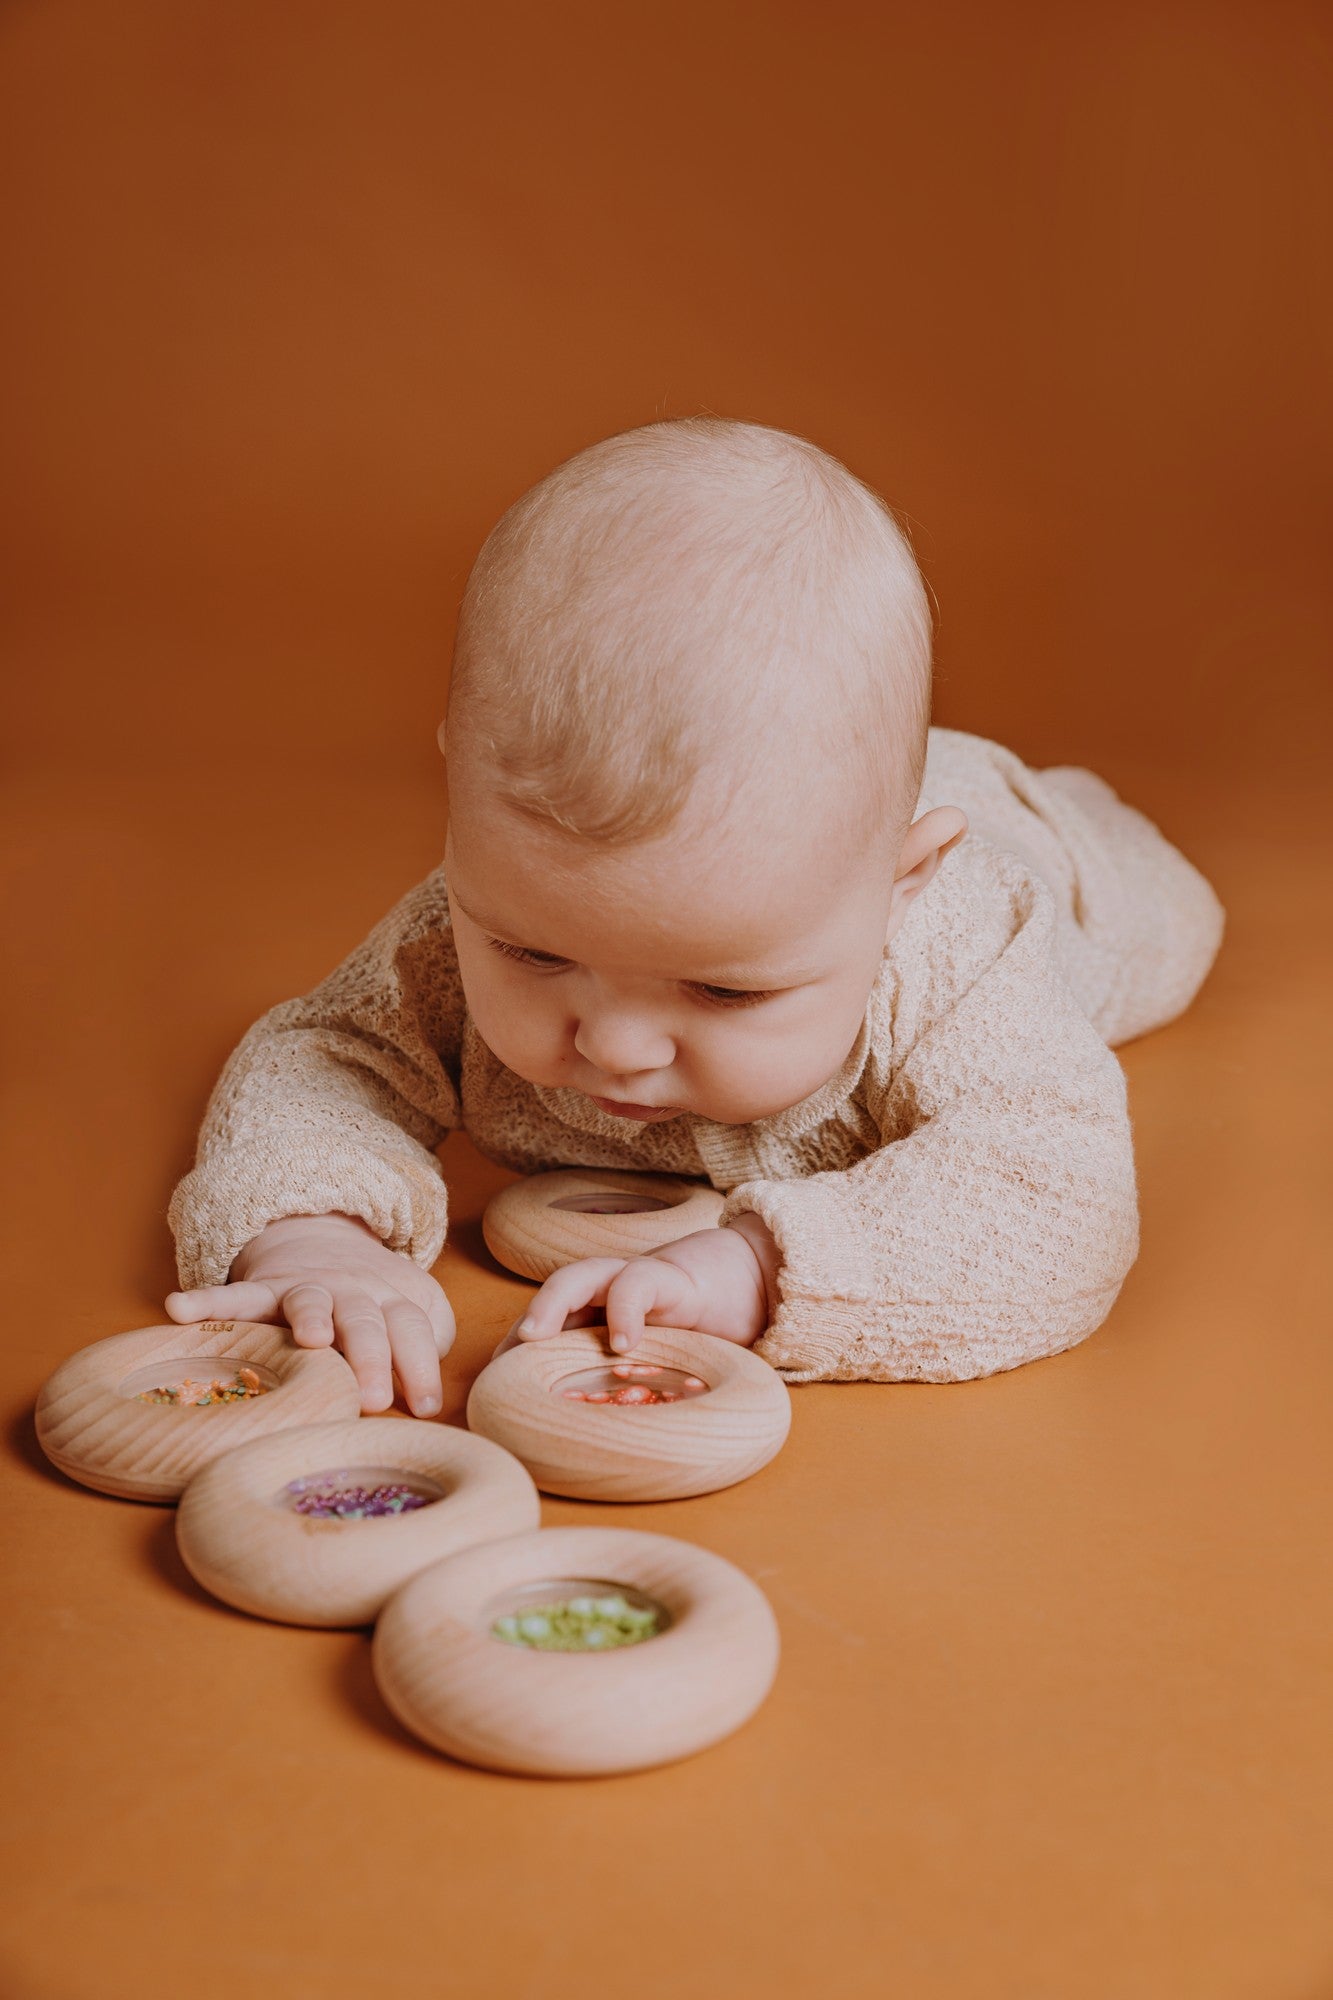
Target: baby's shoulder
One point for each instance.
(423, 912)
(979, 900)
(983, 908)
(408, 958)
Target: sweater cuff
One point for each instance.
(227, 1199)
(833, 1325)
(825, 1282)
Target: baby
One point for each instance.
(715, 902)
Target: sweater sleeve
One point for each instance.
(335, 1102)
(996, 1220)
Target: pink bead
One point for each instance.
(598, 1396)
(635, 1394)
(693, 1382)
(576, 1395)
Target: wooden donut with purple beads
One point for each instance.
(318, 1526)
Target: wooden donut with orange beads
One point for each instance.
(138, 1414)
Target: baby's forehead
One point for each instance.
(728, 887)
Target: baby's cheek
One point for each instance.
(741, 1074)
(757, 1071)
(526, 1033)
(498, 1019)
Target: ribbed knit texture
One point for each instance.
(957, 1200)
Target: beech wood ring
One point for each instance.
(241, 1537)
(528, 1232)
(604, 1451)
(576, 1714)
(90, 1424)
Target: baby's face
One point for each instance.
(726, 977)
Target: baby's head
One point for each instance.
(685, 738)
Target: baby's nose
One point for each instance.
(622, 1044)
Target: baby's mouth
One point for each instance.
(644, 1112)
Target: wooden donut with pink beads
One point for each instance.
(684, 1413)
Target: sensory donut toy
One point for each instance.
(140, 1413)
(536, 1225)
(486, 1654)
(684, 1413)
(318, 1526)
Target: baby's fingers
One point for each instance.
(365, 1341)
(443, 1326)
(308, 1311)
(416, 1359)
(565, 1292)
(645, 1286)
(247, 1299)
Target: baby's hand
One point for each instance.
(335, 1284)
(718, 1281)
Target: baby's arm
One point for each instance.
(995, 1223)
(315, 1187)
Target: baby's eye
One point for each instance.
(523, 955)
(731, 996)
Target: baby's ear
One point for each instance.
(928, 841)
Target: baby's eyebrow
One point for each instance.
(471, 915)
(756, 978)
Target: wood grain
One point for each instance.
(526, 1233)
(102, 1436)
(510, 1708)
(605, 1451)
(241, 1540)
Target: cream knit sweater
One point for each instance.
(957, 1200)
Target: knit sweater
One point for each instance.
(957, 1200)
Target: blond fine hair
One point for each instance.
(682, 586)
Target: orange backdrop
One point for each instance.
(301, 294)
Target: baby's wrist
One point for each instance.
(756, 1234)
(285, 1228)
(726, 1272)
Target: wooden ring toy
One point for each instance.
(711, 1437)
(509, 1707)
(318, 1526)
(536, 1225)
(92, 1423)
